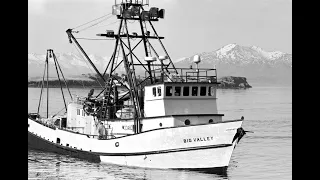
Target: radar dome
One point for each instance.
(196, 59)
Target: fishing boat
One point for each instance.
(168, 119)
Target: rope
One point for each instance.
(93, 39)
(57, 113)
(91, 21)
(108, 24)
(94, 24)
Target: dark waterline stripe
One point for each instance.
(164, 151)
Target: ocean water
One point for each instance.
(264, 154)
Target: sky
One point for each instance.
(189, 26)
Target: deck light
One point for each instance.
(110, 32)
(161, 13)
(135, 11)
(145, 15)
(127, 13)
(154, 12)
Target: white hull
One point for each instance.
(193, 159)
(196, 146)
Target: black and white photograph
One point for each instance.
(160, 89)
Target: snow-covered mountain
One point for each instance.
(72, 65)
(254, 63)
(242, 55)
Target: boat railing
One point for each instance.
(44, 123)
(184, 75)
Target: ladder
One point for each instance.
(133, 86)
(116, 56)
(145, 30)
(106, 99)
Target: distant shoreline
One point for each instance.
(227, 82)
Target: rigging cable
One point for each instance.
(94, 24)
(108, 24)
(87, 65)
(91, 21)
(93, 39)
(79, 73)
(58, 112)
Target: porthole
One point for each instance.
(210, 121)
(117, 144)
(187, 122)
(160, 124)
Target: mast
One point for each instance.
(129, 10)
(132, 10)
(55, 63)
(50, 54)
(42, 84)
(47, 62)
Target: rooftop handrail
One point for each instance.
(185, 75)
(142, 2)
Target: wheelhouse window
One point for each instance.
(177, 91)
(186, 91)
(210, 91)
(203, 91)
(169, 91)
(159, 90)
(194, 90)
(154, 92)
(78, 111)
